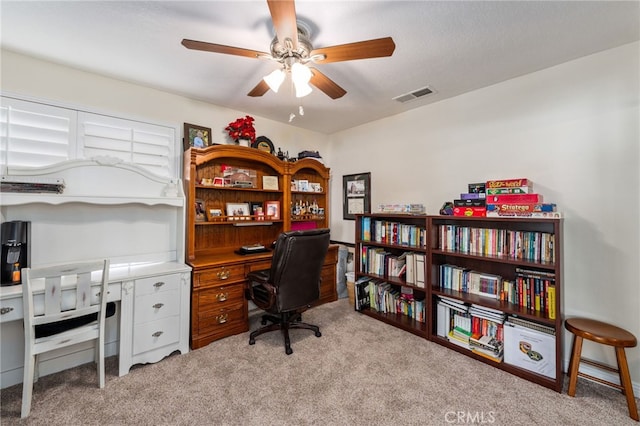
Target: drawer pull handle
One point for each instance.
(5, 310)
(223, 275)
(222, 297)
(157, 334)
(158, 305)
(158, 284)
(222, 318)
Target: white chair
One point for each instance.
(70, 315)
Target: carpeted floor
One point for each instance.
(360, 372)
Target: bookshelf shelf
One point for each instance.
(521, 267)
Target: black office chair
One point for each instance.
(292, 284)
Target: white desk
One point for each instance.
(146, 334)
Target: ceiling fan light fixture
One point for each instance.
(275, 79)
(301, 75)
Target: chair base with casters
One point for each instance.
(285, 322)
(291, 285)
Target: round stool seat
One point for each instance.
(601, 332)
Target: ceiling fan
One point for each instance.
(292, 48)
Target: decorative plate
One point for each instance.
(263, 144)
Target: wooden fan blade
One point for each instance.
(283, 15)
(219, 48)
(377, 48)
(325, 84)
(260, 89)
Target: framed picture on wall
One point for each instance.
(356, 195)
(196, 136)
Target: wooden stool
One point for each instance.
(607, 334)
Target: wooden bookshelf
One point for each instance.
(491, 262)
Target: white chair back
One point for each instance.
(75, 298)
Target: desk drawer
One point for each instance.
(220, 297)
(11, 309)
(220, 275)
(220, 320)
(258, 266)
(153, 285)
(150, 307)
(155, 334)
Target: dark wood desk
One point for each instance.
(218, 304)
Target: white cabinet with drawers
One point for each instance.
(157, 311)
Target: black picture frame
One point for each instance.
(356, 195)
(263, 143)
(191, 132)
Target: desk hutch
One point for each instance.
(219, 178)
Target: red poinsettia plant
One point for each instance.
(242, 128)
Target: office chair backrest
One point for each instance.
(296, 267)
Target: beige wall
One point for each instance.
(573, 129)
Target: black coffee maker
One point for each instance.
(15, 251)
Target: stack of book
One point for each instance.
(473, 327)
(503, 198)
(471, 203)
(516, 198)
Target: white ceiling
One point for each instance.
(451, 46)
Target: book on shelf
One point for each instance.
(477, 188)
(469, 211)
(521, 207)
(410, 263)
(508, 183)
(514, 199)
(531, 215)
(495, 357)
(419, 266)
(361, 293)
(511, 190)
(473, 196)
(366, 228)
(530, 349)
(469, 202)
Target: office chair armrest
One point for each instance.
(261, 292)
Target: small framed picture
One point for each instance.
(270, 182)
(303, 185)
(201, 215)
(294, 185)
(215, 215)
(315, 187)
(196, 136)
(272, 209)
(238, 211)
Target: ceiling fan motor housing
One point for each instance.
(284, 49)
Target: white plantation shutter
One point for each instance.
(148, 145)
(34, 134)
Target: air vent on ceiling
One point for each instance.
(413, 95)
